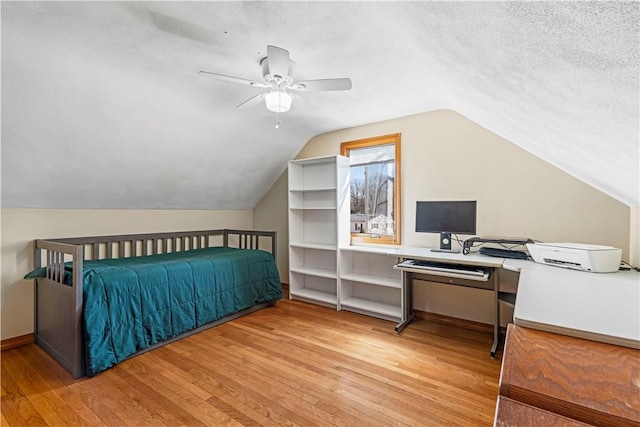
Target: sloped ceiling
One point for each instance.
(103, 106)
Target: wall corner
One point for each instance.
(634, 236)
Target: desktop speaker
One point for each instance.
(445, 241)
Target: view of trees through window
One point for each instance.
(371, 193)
(374, 187)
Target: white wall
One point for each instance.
(448, 157)
(21, 226)
(267, 215)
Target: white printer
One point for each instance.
(578, 256)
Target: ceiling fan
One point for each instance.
(277, 71)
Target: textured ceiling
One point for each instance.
(103, 106)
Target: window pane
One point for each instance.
(372, 194)
(375, 188)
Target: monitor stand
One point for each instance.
(445, 244)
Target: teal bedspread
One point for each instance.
(133, 303)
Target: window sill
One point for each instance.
(362, 239)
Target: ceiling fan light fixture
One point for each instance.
(278, 101)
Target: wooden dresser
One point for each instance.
(552, 379)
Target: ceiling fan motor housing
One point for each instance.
(280, 81)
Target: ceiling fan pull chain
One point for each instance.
(277, 120)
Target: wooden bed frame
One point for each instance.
(58, 306)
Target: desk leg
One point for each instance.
(406, 302)
(496, 311)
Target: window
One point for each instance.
(375, 188)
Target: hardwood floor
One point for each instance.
(291, 364)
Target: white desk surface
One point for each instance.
(601, 307)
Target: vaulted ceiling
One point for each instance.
(103, 106)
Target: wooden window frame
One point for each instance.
(393, 138)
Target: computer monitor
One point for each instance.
(446, 218)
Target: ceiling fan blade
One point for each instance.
(323, 85)
(234, 79)
(251, 102)
(278, 61)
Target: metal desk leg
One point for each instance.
(496, 317)
(406, 302)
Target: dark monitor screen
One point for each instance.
(446, 217)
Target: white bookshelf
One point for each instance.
(369, 284)
(318, 197)
(324, 268)
(388, 311)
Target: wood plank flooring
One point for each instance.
(290, 364)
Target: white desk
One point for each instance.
(600, 307)
(491, 263)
